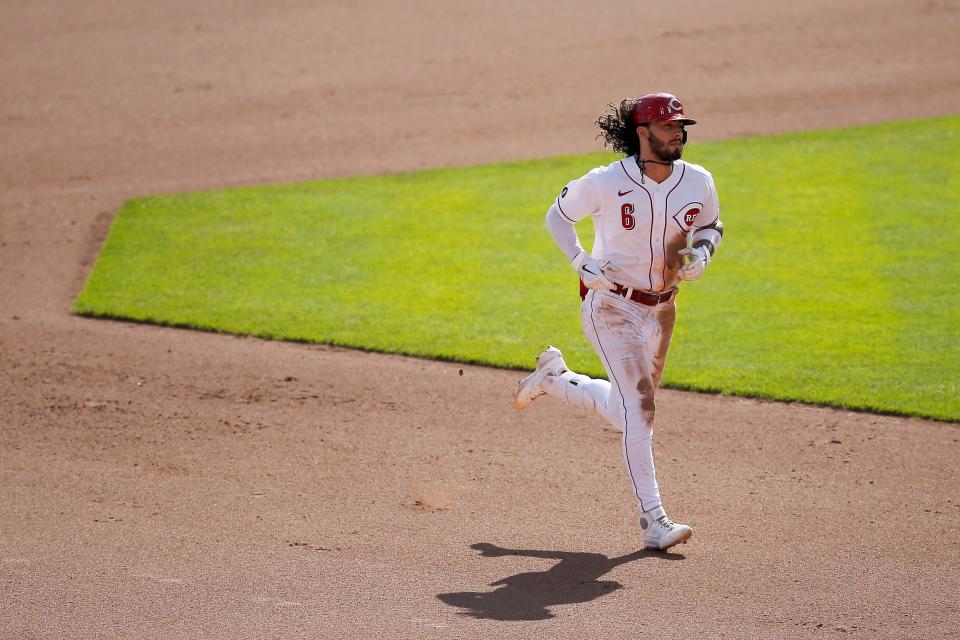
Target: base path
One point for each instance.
(161, 483)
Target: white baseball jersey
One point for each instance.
(642, 225)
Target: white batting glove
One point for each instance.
(591, 271)
(695, 261)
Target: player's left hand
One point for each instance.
(695, 261)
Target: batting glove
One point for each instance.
(591, 271)
(695, 260)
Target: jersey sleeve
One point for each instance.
(563, 233)
(579, 199)
(710, 216)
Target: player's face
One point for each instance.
(666, 140)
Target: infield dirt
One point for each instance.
(162, 483)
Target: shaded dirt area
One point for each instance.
(169, 484)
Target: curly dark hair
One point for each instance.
(617, 128)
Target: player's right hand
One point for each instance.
(591, 271)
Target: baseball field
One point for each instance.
(348, 202)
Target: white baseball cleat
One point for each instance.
(549, 363)
(663, 533)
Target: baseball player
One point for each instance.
(657, 222)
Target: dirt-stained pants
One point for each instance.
(632, 341)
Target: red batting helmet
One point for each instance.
(658, 106)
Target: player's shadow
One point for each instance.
(529, 595)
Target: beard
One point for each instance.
(664, 152)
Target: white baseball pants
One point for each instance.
(632, 341)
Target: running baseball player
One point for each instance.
(657, 222)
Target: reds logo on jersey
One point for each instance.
(687, 215)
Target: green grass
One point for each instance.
(836, 282)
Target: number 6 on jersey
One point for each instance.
(626, 216)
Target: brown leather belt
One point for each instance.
(651, 299)
(648, 298)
